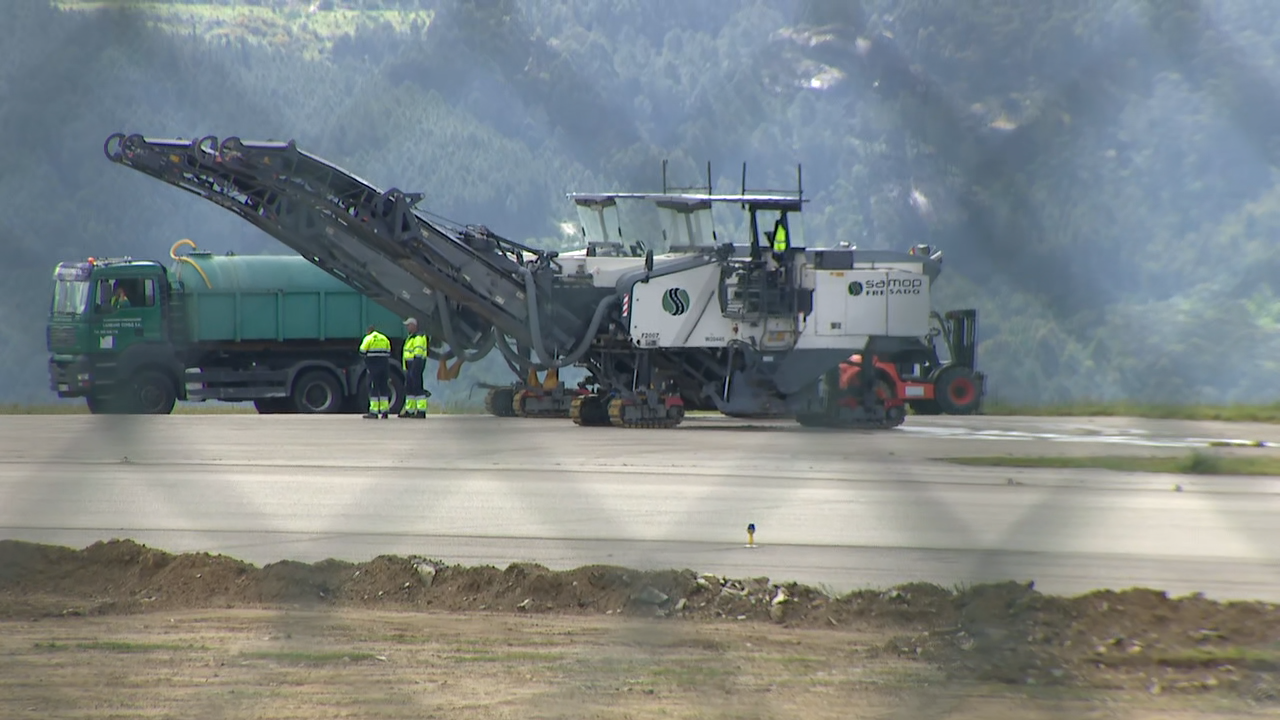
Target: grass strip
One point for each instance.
(1196, 463)
(1233, 413)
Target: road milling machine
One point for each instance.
(744, 328)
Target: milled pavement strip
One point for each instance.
(925, 471)
(868, 512)
(655, 509)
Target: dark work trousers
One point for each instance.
(379, 383)
(413, 377)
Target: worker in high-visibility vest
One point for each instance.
(119, 300)
(376, 349)
(413, 360)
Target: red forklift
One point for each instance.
(930, 383)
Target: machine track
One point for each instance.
(589, 411)
(617, 418)
(498, 402)
(521, 407)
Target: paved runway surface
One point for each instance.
(841, 509)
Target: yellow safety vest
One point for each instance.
(415, 346)
(780, 240)
(375, 344)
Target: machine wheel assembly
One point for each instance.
(498, 402)
(659, 417)
(847, 413)
(528, 403)
(519, 400)
(589, 411)
(956, 390)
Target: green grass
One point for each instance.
(1260, 659)
(691, 674)
(1234, 413)
(118, 646)
(297, 657)
(1196, 463)
(508, 656)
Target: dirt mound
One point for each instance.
(1135, 639)
(1006, 632)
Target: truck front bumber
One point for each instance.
(70, 375)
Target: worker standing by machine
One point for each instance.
(413, 359)
(376, 349)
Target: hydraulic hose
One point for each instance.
(535, 326)
(514, 361)
(474, 355)
(173, 253)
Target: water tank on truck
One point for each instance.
(277, 330)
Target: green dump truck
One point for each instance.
(273, 329)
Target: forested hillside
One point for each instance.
(1099, 173)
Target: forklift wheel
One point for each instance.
(956, 391)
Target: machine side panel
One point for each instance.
(849, 302)
(666, 311)
(909, 303)
(604, 271)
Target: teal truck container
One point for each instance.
(273, 329)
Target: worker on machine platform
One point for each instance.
(413, 360)
(780, 240)
(376, 349)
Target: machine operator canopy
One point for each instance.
(687, 217)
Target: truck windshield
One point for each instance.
(70, 297)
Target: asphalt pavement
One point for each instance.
(839, 509)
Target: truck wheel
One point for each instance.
(98, 405)
(956, 390)
(151, 393)
(396, 383)
(273, 405)
(316, 392)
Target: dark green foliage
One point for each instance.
(1099, 177)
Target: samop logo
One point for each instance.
(675, 301)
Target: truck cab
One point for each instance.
(108, 335)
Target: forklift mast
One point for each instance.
(962, 337)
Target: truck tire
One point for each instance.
(956, 390)
(273, 405)
(316, 393)
(396, 384)
(151, 393)
(359, 403)
(99, 405)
